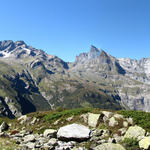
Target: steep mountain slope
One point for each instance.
(129, 78)
(31, 80)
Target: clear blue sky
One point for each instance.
(68, 27)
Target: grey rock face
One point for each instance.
(133, 76)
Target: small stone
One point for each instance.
(125, 124)
(109, 146)
(145, 143)
(23, 119)
(52, 141)
(148, 134)
(46, 145)
(135, 132)
(84, 117)
(56, 122)
(29, 138)
(117, 138)
(107, 114)
(50, 133)
(118, 116)
(93, 119)
(30, 145)
(33, 121)
(122, 131)
(70, 118)
(130, 121)
(3, 127)
(113, 122)
(111, 140)
(79, 148)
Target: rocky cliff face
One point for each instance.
(127, 77)
(31, 80)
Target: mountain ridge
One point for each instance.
(32, 80)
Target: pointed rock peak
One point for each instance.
(103, 54)
(94, 49)
(105, 58)
(93, 53)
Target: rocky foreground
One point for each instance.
(102, 130)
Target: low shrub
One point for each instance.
(140, 118)
(65, 113)
(130, 144)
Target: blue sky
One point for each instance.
(68, 27)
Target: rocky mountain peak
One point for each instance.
(7, 44)
(18, 49)
(103, 54)
(20, 43)
(93, 53)
(104, 57)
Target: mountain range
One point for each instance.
(31, 80)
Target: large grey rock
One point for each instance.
(145, 143)
(109, 146)
(93, 119)
(135, 132)
(74, 132)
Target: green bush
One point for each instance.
(65, 113)
(140, 118)
(130, 144)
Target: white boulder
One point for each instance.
(74, 132)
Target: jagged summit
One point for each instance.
(93, 53)
(10, 44)
(18, 49)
